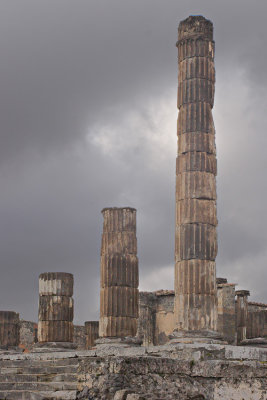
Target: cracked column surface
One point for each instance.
(119, 274)
(55, 322)
(196, 168)
(9, 329)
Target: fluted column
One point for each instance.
(9, 329)
(119, 274)
(196, 169)
(242, 314)
(55, 322)
(91, 333)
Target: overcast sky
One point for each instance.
(88, 120)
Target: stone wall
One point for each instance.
(226, 310)
(257, 320)
(186, 372)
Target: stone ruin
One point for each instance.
(202, 340)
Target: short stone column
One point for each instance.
(195, 307)
(55, 322)
(91, 333)
(241, 314)
(9, 329)
(226, 310)
(119, 274)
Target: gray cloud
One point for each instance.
(88, 120)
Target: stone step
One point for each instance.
(71, 369)
(38, 378)
(37, 362)
(33, 395)
(38, 386)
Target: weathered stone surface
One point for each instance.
(196, 161)
(55, 308)
(91, 333)
(56, 284)
(119, 301)
(119, 273)
(117, 326)
(196, 169)
(196, 185)
(204, 142)
(9, 329)
(241, 314)
(190, 211)
(55, 331)
(119, 270)
(27, 334)
(226, 311)
(196, 241)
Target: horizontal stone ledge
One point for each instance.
(196, 185)
(196, 211)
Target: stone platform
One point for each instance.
(181, 371)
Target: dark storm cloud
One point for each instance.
(88, 110)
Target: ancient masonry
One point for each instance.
(119, 274)
(182, 355)
(55, 307)
(195, 240)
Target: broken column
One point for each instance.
(9, 329)
(196, 169)
(91, 333)
(226, 310)
(241, 314)
(55, 307)
(119, 274)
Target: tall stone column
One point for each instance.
(9, 329)
(119, 274)
(241, 314)
(196, 221)
(55, 322)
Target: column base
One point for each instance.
(117, 342)
(53, 346)
(201, 336)
(255, 342)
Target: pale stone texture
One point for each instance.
(196, 168)
(226, 310)
(55, 323)
(119, 295)
(241, 314)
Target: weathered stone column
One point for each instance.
(241, 314)
(55, 307)
(9, 329)
(196, 221)
(91, 333)
(226, 310)
(119, 274)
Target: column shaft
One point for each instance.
(196, 169)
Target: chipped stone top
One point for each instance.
(161, 292)
(9, 317)
(195, 26)
(118, 208)
(242, 293)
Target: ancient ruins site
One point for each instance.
(204, 340)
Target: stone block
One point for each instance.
(119, 301)
(55, 308)
(196, 161)
(195, 117)
(195, 277)
(119, 270)
(117, 326)
(55, 331)
(201, 211)
(196, 141)
(56, 284)
(195, 90)
(196, 185)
